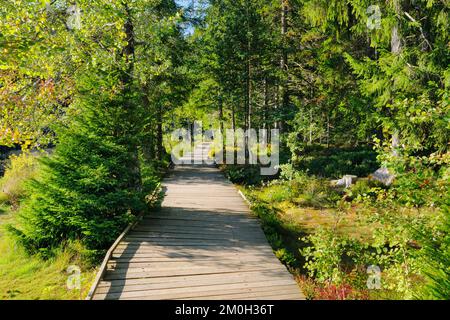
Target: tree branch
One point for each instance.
(420, 28)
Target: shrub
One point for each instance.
(334, 163)
(324, 256)
(289, 173)
(286, 257)
(20, 169)
(436, 257)
(88, 189)
(245, 174)
(276, 193)
(4, 198)
(339, 292)
(365, 190)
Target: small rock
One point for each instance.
(346, 181)
(383, 175)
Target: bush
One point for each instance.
(324, 258)
(436, 257)
(4, 198)
(365, 190)
(88, 189)
(245, 174)
(20, 169)
(334, 163)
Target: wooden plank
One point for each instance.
(135, 236)
(288, 285)
(191, 280)
(196, 286)
(205, 224)
(246, 292)
(112, 275)
(256, 236)
(219, 264)
(258, 295)
(204, 243)
(193, 258)
(197, 249)
(193, 268)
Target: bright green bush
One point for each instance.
(3, 198)
(325, 255)
(436, 258)
(19, 169)
(88, 189)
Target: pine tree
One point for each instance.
(90, 188)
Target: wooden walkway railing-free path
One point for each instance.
(203, 244)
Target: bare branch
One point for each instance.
(420, 28)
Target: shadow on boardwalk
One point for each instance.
(203, 243)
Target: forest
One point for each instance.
(359, 91)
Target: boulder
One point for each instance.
(383, 175)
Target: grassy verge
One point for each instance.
(28, 277)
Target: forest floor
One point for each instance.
(287, 221)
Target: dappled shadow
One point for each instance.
(203, 232)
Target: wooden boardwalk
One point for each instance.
(203, 244)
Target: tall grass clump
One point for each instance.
(19, 169)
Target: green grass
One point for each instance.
(27, 277)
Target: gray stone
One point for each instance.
(383, 175)
(346, 181)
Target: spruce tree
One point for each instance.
(90, 187)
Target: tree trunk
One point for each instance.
(328, 130)
(159, 132)
(221, 120)
(248, 98)
(310, 125)
(148, 144)
(266, 103)
(396, 47)
(284, 63)
(127, 80)
(233, 117)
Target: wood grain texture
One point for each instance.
(204, 243)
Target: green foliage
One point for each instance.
(244, 174)
(421, 181)
(285, 256)
(324, 258)
(95, 90)
(85, 190)
(309, 191)
(437, 259)
(334, 163)
(365, 190)
(19, 170)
